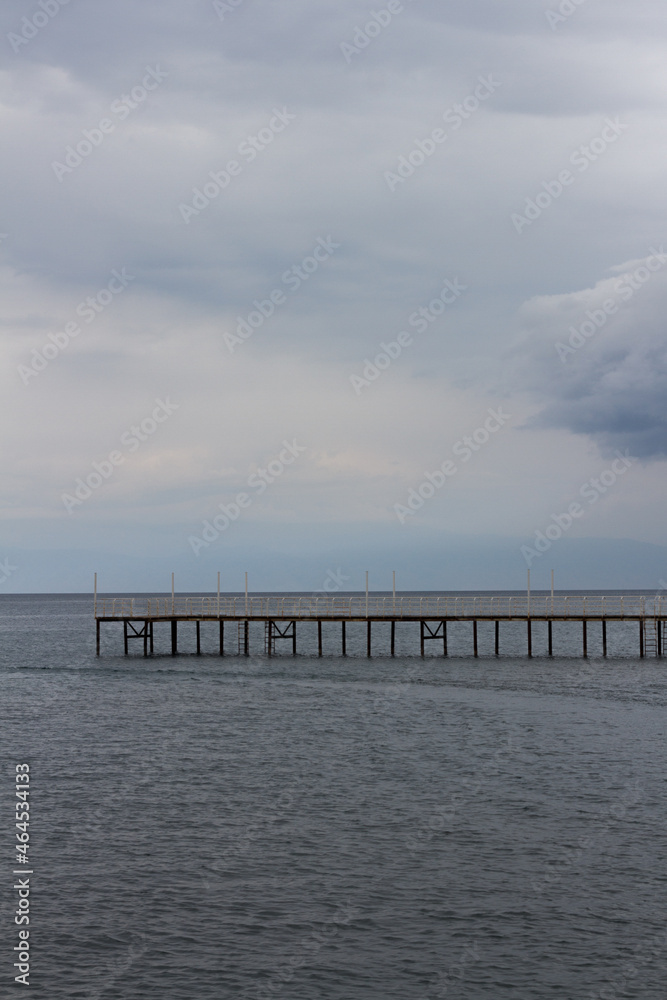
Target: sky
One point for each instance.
(306, 289)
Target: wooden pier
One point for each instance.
(281, 614)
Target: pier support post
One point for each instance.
(421, 637)
(393, 638)
(474, 637)
(497, 638)
(641, 638)
(97, 636)
(152, 627)
(551, 638)
(319, 637)
(604, 637)
(444, 638)
(174, 637)
(530, 637)
(269, 637)
(368, 639)
(344, 645)
(585, 638)
(222, 638)
(147, 626)
(246, 638)
(125, 637)
(198, 624)
(659, 624)
(294, 638)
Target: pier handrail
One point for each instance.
(408, 607)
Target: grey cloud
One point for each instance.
(603, 374)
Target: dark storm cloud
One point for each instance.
(597, 360)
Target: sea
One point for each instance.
(334, 828)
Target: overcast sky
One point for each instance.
(305, 249)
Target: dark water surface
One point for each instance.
(333, 828)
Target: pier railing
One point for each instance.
(359, 607)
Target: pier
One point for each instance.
(281, 614)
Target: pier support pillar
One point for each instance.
(368, 639)
(497, 638)
(246, 638)
(604, 637)
(421, 637)
(152, 636)
(125, 638)
(474, 638)
(585, 638)
(222, 638)
(97, 637)
(319, 638)
(530, 638)
(659, 623)
(147, 631)
(198, 624)
(641, 638)
(393, 638)
(444, 638)
(344, 644)
(174, 637)
(551, 638)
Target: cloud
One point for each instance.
(596, 359)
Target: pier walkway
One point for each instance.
(280, 614)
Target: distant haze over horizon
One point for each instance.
(306, 290)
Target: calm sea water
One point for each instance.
(329, 828)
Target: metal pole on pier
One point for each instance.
(172, 593)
